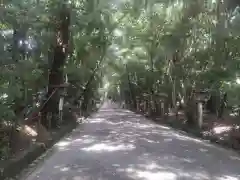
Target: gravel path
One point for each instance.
(116, 144)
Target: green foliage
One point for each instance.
(133, 49)
(24, 71)
(170, 45)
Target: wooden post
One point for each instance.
(200, 113)
(60, 108)
(162, 108)
(137, 104)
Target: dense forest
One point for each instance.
(162, 58)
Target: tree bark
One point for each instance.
(131, 90)
(56, 71)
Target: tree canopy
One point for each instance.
(132, 49)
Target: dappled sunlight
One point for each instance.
(83, 141)
(143, 126)
(131, 121)
(121, 113)
(79, 119)
(164, 173)
(68, 143)
(64, 169)
(96, 120)
(228, 178)
(127, 147)
(152, 166)
(162, 127)
(116, 112)
(155, 172)
(235, 158)
(146, 175)
(183, 137)
(30, 131)
(109, 148)
(114, 123)
(63, 143)
(150, 141)
(63, 149)
(222, 129)
(233, 114)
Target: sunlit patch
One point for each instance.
(188, 160)
(30, 131)
(147, 175)
(163, 127)
(157, 176)
(221, 129)
(96, 120)
(227, 178)
(233, 114)
(114, 123)
(187, 138)
(62, 143)
(63, 149)
(80, 119)
(122, 113)
(149, 140)
(77, 140)
(195, 175)
(235, 158)
(109, 148)
(172, 114)
(143, 126)
(84, 141)
(64, 169)
(152, 166)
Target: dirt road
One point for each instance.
(116, 144)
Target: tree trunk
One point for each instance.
(213, 102)
(191, 108)
(85, 95)
(131, 90)
(223, 105)
(56, 71)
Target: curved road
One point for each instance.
(116, 144)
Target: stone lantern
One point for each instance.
(201, 97)
(162, 98)
(145, 101)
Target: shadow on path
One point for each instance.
(117, 144)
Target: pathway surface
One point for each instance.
(116, 144)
